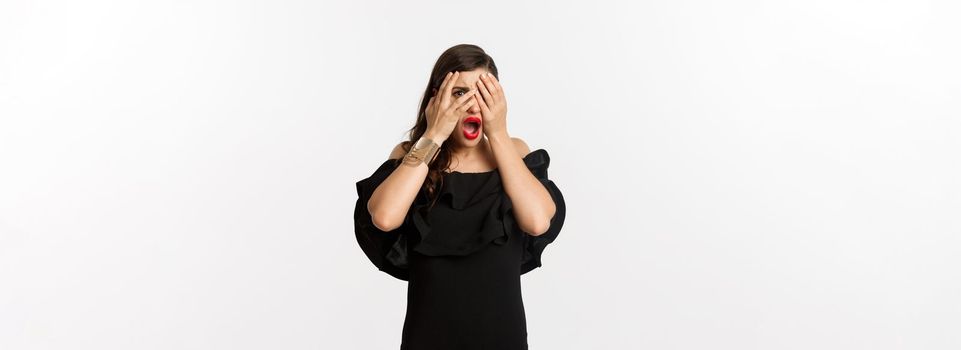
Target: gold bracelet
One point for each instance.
(424, 150)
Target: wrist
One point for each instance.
(424, 150)
(434, 137)
(500, 136)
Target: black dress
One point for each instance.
(462, 259)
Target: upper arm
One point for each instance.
(522, 148)
(398, 151)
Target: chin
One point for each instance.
(463, 141)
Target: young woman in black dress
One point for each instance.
(461, 210)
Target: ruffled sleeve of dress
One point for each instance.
(538, 162)
(386, 250)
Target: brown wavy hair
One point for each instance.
(462, 57)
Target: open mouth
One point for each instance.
(472, 127)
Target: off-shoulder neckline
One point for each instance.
(491, 171)
(481, 172)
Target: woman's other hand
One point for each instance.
(493, 105)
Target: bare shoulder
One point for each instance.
(399, 151)
(522, 148)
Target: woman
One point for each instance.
(460, 211)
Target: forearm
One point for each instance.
(532, 204)
(391, 200)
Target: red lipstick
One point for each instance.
(472, 127)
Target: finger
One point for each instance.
(450, 84)
(470, 102)
(483, 105)
(436, 91)
(466, 97)
(464, 102)
(491, 96)
(497, 85)
(484, 91)
(430, 103)
(443, 84)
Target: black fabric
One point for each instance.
(462, 258)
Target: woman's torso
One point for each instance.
(471, 300)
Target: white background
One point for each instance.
(738, 174)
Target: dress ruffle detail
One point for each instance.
(386, 250)
(538, 161)
(389, 250)
(452, 202)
